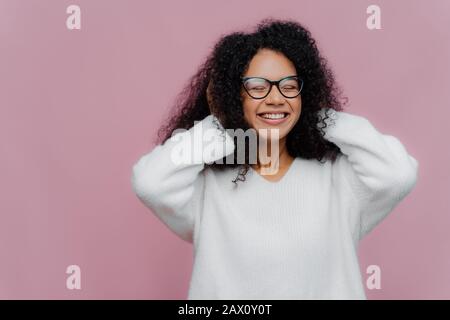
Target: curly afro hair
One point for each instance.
(230, 59)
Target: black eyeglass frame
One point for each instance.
(272, 83)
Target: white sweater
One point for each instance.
(296, 238)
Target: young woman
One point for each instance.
(292, 233)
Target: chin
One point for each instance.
(264, 134)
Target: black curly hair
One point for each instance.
(230, 59)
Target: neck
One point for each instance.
(270, 158)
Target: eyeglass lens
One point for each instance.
(258, 87)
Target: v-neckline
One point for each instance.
(283, 177)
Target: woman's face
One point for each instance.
(273, 66)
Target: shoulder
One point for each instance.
(341, 171)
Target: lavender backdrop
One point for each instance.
(79, 107)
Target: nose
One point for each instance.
(275, 96)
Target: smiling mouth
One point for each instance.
(273, 118)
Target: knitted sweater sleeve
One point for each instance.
(169, 180)
(377, 167)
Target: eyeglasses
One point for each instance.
(259, 88)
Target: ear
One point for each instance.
(208, 92)
(209, 98)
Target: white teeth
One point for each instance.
(273, 115)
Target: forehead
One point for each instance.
(271, 65)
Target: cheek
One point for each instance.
(298, 104)
(297, 107)
(249, 110)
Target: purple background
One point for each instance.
(79, 107)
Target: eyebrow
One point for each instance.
(269, 79)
